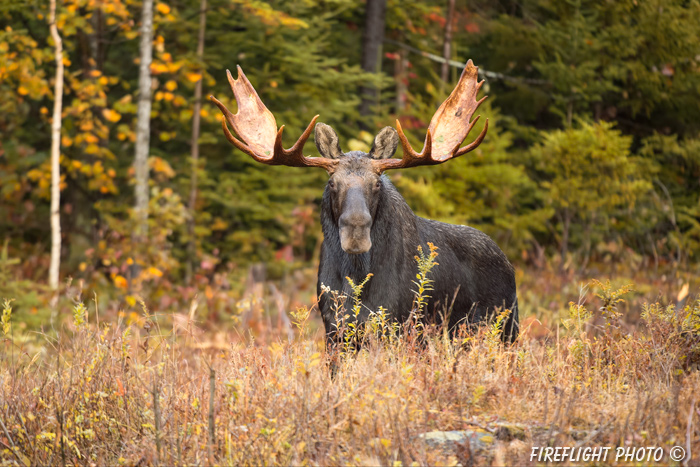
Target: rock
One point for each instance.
(479, 440)
(510, 431)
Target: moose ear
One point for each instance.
(327, 141)
(385, 144)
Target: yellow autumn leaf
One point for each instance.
(174, 66)
(92, 149)
(159, 165)
(219, 224)
(683, 292)
(194, 77)
(22, 91)
(171, 85)
(155, 272)
(163, 8)
(157, 68)
(66, 141)
(121, 282)
(111, 115)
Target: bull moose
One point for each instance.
(369, 228)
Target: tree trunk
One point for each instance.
(400, 76)
(143, 123)
(56, 152)
(196, 118)
(447, 45)
(371, 50)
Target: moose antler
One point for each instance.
(256, 126)
(448, 128)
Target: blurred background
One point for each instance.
(591, 166)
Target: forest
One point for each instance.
(134, 237)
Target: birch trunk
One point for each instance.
(196, 118)
(143, 122)
(56, 152)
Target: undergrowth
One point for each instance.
(144, 394)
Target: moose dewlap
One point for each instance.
(369, 229)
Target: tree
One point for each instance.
(56, 152)
(143, 124)
(447, 43)
(371, 50)
(588, 174)
(196, 118)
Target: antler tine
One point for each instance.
(229, 136)
(471, 146)
(256, 127)
(448, 128)
(411, 158)
(294, 156)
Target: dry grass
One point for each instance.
(140, 394)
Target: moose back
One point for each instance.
(369, 229)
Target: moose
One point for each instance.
(368, 228)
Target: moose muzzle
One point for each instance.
(355, 224)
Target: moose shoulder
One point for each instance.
(367, 226)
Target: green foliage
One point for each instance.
(424, 284)
(579, 316)
(611, 298)
(676, 205)
(488, 188)
(356, 330)
(546, 180)
(589, 179)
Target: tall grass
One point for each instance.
(141, 394)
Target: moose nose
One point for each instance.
(359, 221)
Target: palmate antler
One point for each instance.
(450, 125)
(448, 128)
(256, 126)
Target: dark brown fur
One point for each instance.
(369, 228)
